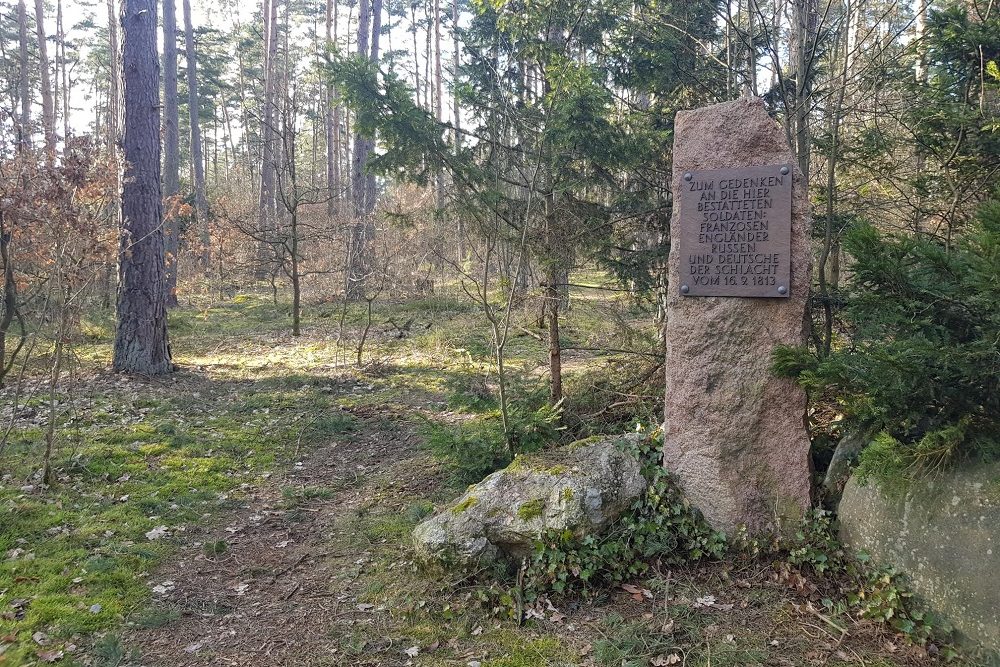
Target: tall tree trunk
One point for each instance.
(171, 146)
(456, 65)
(113, 131)
(48, 103)
(24, 84)
(62, 68)
(804, 17)
(141, 343)
(267, 136)
(197, 151)
(332, 120)
(416, 59)
(363, 184)
(438, 86)
(920, 72)
(752, 46)
(114, 119)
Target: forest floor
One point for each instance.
(255, 508)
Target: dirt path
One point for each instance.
(285, 589)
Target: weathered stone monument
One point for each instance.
(739, 265)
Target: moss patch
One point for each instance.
(531, 509)
(465, 505)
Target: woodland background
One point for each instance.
(487, 182)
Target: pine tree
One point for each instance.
(141, 342)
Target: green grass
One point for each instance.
(77, 553)
(249, 400)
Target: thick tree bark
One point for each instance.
(24, 85)
(48, 103)
(171, 144)
(197, 151)
(8, 304)
(141, 343)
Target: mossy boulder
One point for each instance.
(581, 487)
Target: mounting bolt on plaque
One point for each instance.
(782, 289)
(784, 171)
(685, 289)
(688, 176)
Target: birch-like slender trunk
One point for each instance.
(438, 88)
(48, 103)
(332, 119)
(24, 83)
(171, 145)
(267, 136)
(197, 150)
(62, 68)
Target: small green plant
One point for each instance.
(419, 510)
(816, 545)
(477, 447)
(215, 548)
(155, 617)
(628, 644)
(882, 594)
(108, 651)
(878, 593)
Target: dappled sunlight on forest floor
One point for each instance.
(255, 507)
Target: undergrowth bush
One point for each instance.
(613, 396)
(922, 365)
(478, 446)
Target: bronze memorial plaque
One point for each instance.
(736, 226)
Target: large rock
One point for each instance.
(734, 434)
(944, 534)
(582, 487)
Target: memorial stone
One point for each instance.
(734, 434)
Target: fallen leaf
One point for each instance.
(664, 660)
(157, 533)
(50, 656)
(164, 588)
(413, 651)
(636, 593)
